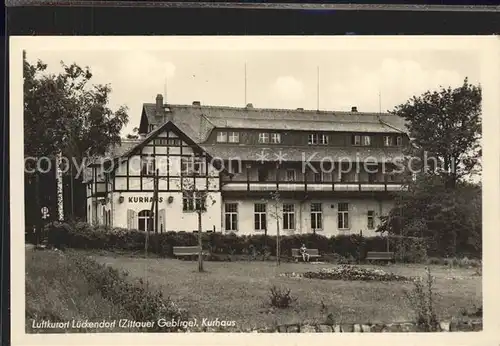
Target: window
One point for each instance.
(231, 216)
(146, 220)
(343, 216)
(275, 138)
(344, 177)
(313, 138)
(318, 177)
(316, 216)
(356, 140)
(290, 175)
(234, 137)
(151, 127)
(263, 137)
(260, 216)
(222, 137)
(367, 140)
(192, 166)
(193, 201)
(147, 165)
(234, 166)
(288, 216)
(371, 219)
(388, 141)
(323, 140)
(372, 177)
(399, 141)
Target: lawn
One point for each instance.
(239, 291)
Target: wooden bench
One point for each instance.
(313, 253)
(379, 256)
(187, 251)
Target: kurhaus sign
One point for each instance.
(143, 199)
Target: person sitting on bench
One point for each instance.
(303, 252)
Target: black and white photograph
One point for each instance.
(250, 185)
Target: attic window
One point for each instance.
(151, 127)
(399, 141)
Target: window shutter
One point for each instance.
(161, 220)
(131, 219)
(135, 220)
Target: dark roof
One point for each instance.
(316, 154)
(198, 121)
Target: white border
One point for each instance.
(487, 47)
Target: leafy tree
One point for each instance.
(65, 114)
(75, 115)
(449, 219)
(447, 125)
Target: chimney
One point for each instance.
(354, 109)
(197, 103)
(249, 105)
(159, 104)
(300, 109)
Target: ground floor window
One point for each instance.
(260, 216)
(145, 220)
(371, 219)
(193, 201)
(316, 216)
(343, 216)
(231, 216)
(288, 216)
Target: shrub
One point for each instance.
(140, 301)
(281, 299)
(421, 299)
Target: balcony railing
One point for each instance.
(302, 186)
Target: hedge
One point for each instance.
(84, 236)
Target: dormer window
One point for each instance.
(313, 138)
(323, 139)
(275, 138)
(222, 137)
(388, 142)
(151, 127)
(263, 137)
(367, 140)
(361, 140)
(399, 141)
(234, 137)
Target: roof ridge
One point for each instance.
(272, 109)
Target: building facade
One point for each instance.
(310, 171)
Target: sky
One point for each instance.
(371, 79)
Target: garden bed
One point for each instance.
(349, 273)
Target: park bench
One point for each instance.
(313, 254)
(187, 251)
(379, 256)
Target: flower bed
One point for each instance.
(349, 273)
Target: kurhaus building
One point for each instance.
(334, 171)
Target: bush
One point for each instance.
(348, 248)
(141, 302)
(281, 299)
(421, 299)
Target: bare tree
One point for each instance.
(276, 204)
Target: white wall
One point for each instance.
(358, 220)
(175, 218)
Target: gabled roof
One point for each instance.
(199, 121)
(126, 152)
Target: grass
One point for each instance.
(239, 291)
(56, 290)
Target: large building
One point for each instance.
(334, 171)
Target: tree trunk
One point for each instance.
(38, 219)
(200, 244)
(277, 242)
